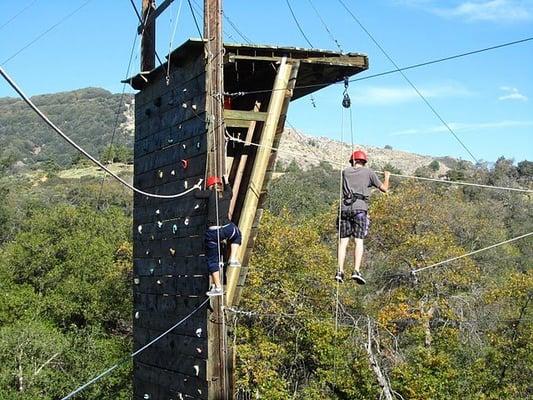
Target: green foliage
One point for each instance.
(86, 115)
(462, 330)
(65, 304)
(304, 192)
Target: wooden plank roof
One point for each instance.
(248, 67)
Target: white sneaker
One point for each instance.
(215, 291)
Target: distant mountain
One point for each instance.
(86, 115)
(307, 150)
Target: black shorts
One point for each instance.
(354, 224)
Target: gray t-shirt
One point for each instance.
(358, 180)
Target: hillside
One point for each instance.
(88, 116)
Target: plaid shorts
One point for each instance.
(354, 224)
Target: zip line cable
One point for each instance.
(298, 24)
(415, 271)
(17, 14)
(325, 26)
(424, 99)
(45, 32)
(127, 358)
(85, 153)
(236, 29)
(195, 20)
(439, 60)
(115, 125)
(393, 71)
(277, 149)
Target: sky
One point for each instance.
(485, 98)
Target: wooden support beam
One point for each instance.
(257, 177)
(245, 115)
(242, 161)
(148, 36)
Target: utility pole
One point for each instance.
(216, 166)
(148, 36)
(215, 84)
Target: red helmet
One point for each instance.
(359, 155)
(213, 180)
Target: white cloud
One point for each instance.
(512, 93)
(387, 95)
(480, 10)
(464, 127)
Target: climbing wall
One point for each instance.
(169, 273)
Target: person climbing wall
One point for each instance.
(219, 229)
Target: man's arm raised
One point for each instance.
(385, 185)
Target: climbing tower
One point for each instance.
(172, 155)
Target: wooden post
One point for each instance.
(148, 36)
(242, 162)
(216, 375)
(215, 79)
(257, 177)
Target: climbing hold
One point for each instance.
(136, 281)
(184, 105)
(184, 146)
(170, 141)
(199, 350)
(174, 228)
(197, 370)
(199, 332)
(198, 145)
(151, 271)
(157, 212)
(159, 261)
(140, 229)
(185, 164)
(186, 184)
(194, 107)
(172, 252)
(196, 206)
(146, 396)
(173, 173)
(159, 282)
(137, 315)
(147, 252)
(186, 221)
(159, 224)
(160, 174)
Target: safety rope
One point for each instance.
(298, 24)
(167, 77)
(418, 92)
(415, 271)
(326, 27)
(85, 153)
(130, 356)
(117, 114)
(277, 149)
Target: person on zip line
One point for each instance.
(218, 195)
(357, 181)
